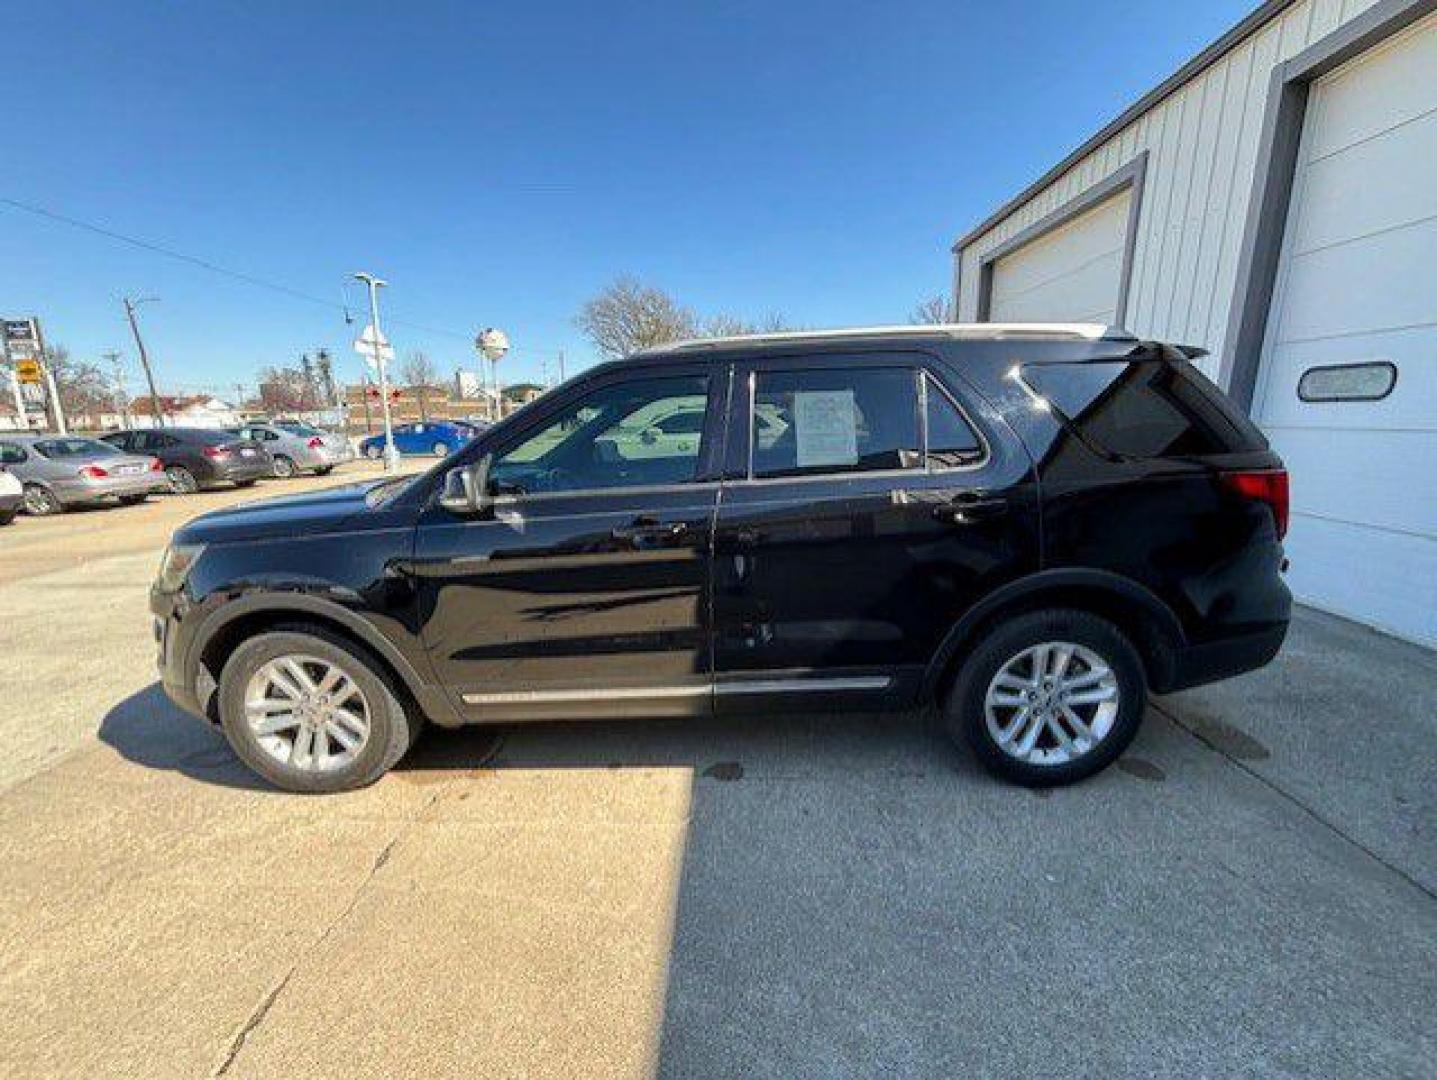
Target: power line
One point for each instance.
(214, 268)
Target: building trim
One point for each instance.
(1277, 159)
(1128, 178)
(1255, 21)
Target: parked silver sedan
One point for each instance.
(298, 447)
(60, 471)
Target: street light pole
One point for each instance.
(391, 455)
(130, 306)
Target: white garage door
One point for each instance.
(1357, 285)
(1072, 274)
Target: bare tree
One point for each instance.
(629, 315)
(938, 308)
(282, 390)
(420, 374)
(726, 325)
(84, 390)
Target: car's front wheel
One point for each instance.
(373, 452)
(1049, 697)
(283, 466)
(40, 501)
(312, 712)
(182, 481)
(441, 450)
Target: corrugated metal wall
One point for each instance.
(1202, 141)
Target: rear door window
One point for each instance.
(1144, 408)
(835, 420)
(952, 442)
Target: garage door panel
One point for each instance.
(1367, 188)
(1070, 274)
(1357, 281)
(1385, 479)
(1411, 404)
(1074, 297)
(1389, 85)
(1382, 282)
(1350, 570)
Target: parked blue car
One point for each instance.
(440, 438)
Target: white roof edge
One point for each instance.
(983, 331)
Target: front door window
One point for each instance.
(639, 433)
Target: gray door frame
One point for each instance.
(1266, 223)
(1130, 176)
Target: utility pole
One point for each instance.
(122, 398)
(130, 306)
(391, 455)
(239, 399)
(562, 376)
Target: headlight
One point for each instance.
(178, 560)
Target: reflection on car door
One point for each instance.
(852, 538)
(586, 593)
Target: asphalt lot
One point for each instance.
(1251, 891)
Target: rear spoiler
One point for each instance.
(1166, 349)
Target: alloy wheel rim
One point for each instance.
(283, 467)
(307, 713)
(1052, 703)
(38, 501)
(181, 481)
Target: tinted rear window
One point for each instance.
(1145, 409)
(61, 448)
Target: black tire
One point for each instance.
(7, 516)
(965, 715)
(283, 466)
(324, 470)
(393, 727)
(182, 481)
(245, 483)
(133, 500)
(40, 501)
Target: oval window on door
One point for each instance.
(1371, 380)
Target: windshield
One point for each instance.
(63, 448)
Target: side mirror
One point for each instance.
(466, 490)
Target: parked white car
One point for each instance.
(11, 496)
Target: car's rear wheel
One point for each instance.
(182, 481)
(40, 501)
(324, 470)
(283, 466)
(373, 452)
(1049, 697)
(131, 500)
(7, 516)
(311, 712)
(441, 450)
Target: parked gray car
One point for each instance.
(60, 471)
(298, 447)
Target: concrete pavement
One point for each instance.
(811, 896)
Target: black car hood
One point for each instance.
(331, 510)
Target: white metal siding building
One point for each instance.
(1274, 201)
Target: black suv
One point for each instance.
(1030, 526)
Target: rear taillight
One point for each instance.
(1269, 486)
(315, 443)
(93, 472)
(156, 465)
(217, 452)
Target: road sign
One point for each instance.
(29, 372)
(371, 349)
(21, 331)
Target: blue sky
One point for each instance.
(499, 163)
